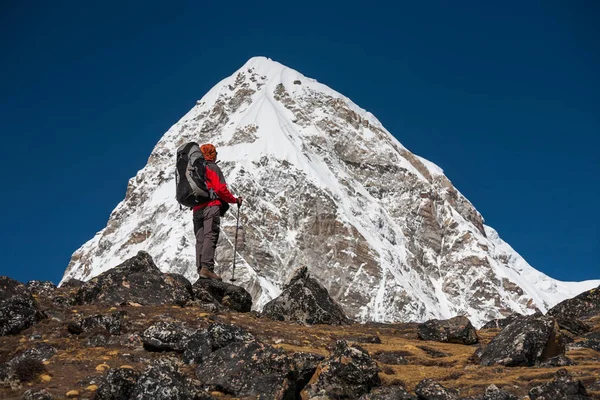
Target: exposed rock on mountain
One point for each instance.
(304, 300)
(137, 280)
(453, 330)
(563, 387)
(18, 309)
(525, 342)
(501, 322)
(221, 296)
(428, 389)
(327, 186)
(572, 313)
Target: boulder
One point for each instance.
(18, 309)
(525, 342)
(213, 338)
(558, 361)
(428, 389)
(221, 295)
(163, 380)
(118, 384)
(501, 322)
(249, 369)
(493, 393)
(454, 330)
(571, 313)
(304, 300)
(305, 365)
(32, 394)
(112, 323)
(26, 365)
(563, 387)
(389, 393)
(136, 280)
(349, 372)
(166, 336)
(391, 357)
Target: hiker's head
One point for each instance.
(209, 151)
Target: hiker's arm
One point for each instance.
(220, 187)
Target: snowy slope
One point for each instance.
(327, 186)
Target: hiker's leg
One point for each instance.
(199, 233)
(212, 223)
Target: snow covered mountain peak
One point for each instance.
(326, 186)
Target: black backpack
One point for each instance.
(190, 176)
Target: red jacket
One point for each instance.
(216, 181)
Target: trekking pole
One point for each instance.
(237, 226)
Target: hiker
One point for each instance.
(207, 216)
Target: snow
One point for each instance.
(402, 288)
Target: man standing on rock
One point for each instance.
(207, 216)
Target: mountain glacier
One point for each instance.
(328, 187)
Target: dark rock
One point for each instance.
(111, 323)
(118, 384)
(493, 393)
(44, 289)
(433, 352)
(72, 284)
(305, 365)
(250, 369)
(166, 336)
(26, 365)
(222, 295)
(501, 322)
(563, 387)
(570, 313)
(349, 372)
(372, 339)
(164, 381)
(37, 395)
(558, 361)
(391, 357)
(18, 309)
(98, 340)
(525, 342)
(593, 344)
(304, 300)
(454, 330)
(389, 393)
(213, 338)
(40, 352)
(428, 389)
(137, 280)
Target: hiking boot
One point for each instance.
(208, 274)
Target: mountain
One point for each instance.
(327, 187)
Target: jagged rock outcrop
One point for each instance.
(454, 330)
(305, 300)
(305, 365)
(525, 342)
(137, 280)
(563, 387)
(428, 389)
(110, 323)
(250, 368)
(501, 322)
(348, 372)
(41, 288)
(572, 313)
(214, 337)
(18, 309)
(166, 336)
(218, 296)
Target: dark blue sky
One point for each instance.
(504, 97)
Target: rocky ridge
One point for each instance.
(92, 348)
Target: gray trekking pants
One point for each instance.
(207, 222)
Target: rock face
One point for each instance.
(563, 387)
(348, 373)
(166, 336)
(384, 230)
(305, 300)
(221, 295)
(501, 322)
(137, 280)
(18, 309)
(250, 368)
(571, 312)
(119, 384)
(525, 342)
(454, 330)
(216, 336)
